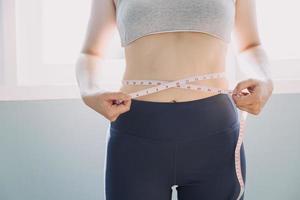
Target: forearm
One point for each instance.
(88, 72)
(254, 63)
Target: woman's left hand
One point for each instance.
(255, 97)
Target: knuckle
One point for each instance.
(113, 119)
(125, 109)
(256, 111)
(241, 107)
(257, 107)
(110, 115)
(237, 102)
(110, 119)
(128, 107)
(256, 103)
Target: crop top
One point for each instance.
(138, 18)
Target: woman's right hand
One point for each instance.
(105, 103)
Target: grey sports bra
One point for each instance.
(138, 18)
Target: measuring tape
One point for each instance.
(185, 83)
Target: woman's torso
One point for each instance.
(172, 56)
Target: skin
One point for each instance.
(174, 55)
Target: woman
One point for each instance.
(172, 135)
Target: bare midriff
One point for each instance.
(172, 56)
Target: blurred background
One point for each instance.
(46, 152)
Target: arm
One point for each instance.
(91, 59)
(253, 60)
(251, 54)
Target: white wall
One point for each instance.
(1, 46)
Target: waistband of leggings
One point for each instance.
(186, 119)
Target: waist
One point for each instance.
(174, 93)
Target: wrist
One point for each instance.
(89, 73)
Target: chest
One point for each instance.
(175, 9)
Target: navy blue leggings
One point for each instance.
(157, 145)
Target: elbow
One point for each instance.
(91, 53)
(93, 50)
(250, 46)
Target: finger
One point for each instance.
(238, 104)
(120, 108)
(252, 108)
(244, 85)
(245, 99)
(119, 102)
(116, 110)
(247, 108)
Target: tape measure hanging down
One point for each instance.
(185, 84)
